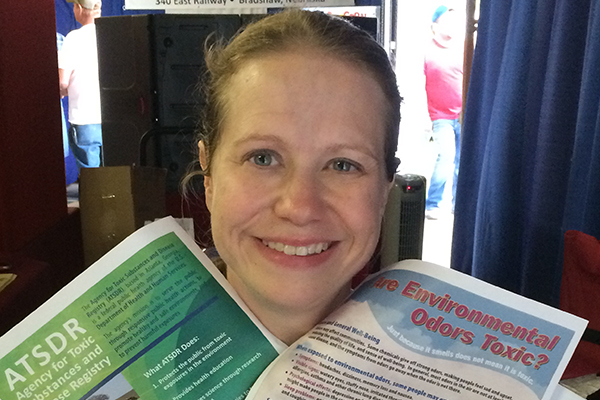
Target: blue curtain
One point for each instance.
(530, 161)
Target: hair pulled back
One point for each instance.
(288, 31)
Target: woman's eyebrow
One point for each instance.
(357, 148)
(257, 137)
(265, 137)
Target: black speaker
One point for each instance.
(149, 69)
(404, 220)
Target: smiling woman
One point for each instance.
(298, 149)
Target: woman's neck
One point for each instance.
(287, 328)
(287, 323)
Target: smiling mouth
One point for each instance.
(315, 248)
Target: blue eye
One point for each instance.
(262, 159)
(344, 165)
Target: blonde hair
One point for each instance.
(283, 32)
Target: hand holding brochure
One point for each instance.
(155, 320)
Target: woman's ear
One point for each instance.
(203, 158)
(202, 155)
(387, 189)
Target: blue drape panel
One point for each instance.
(530, 166)
(583, 197)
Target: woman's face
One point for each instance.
(297, 186)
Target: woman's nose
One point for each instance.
(301, 199)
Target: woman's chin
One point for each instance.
(300, 300)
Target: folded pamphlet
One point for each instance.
(155, 320)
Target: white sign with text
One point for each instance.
(228, 4)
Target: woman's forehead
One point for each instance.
(303, 54)
(317, 98)
(313, 68)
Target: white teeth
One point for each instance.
(289, 250)
(319, 248)
(315, 248)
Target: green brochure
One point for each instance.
(151, 320)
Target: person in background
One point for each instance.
(298, 154)
(443, 84)
(59, 42)
(78, 76)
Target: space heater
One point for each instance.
(404, 220)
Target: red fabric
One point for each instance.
(443, 81)
(32, 172)
(580, 295)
